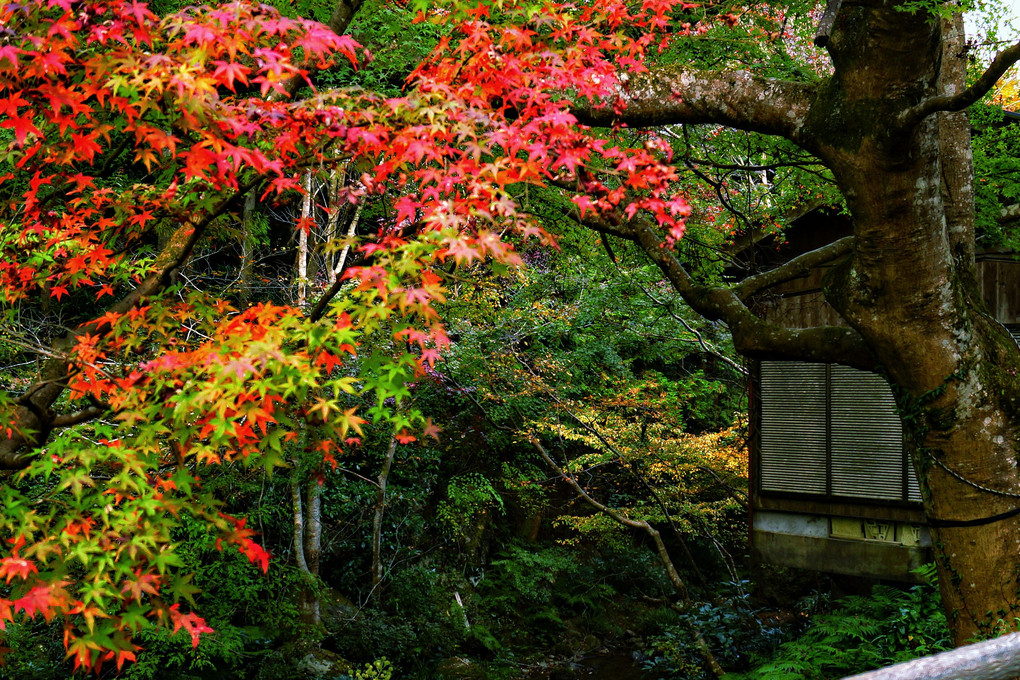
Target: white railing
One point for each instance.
(997, 659)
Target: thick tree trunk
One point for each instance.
(908, 290)
(885, 125)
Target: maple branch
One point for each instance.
(32, 419)
(957, 102)
(752, 336)
(670, 95)
(798, 266)
(85, 414)
(1009, 214)
(750, 168)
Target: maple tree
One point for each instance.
(132, 137)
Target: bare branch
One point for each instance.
(361, 477)
(669, 95)
(798, 266)
(752, 336)
(751, 168)
(825, 25)
(68, 419)
(957, 102)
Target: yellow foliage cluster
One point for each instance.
(620, 455)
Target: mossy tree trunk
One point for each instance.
(887, 126)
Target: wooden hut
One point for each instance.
(832, 487)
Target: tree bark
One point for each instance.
(906, 285)
(377, 519)
(307, 539)
(955, 149)
(301, 263)
(908, 289)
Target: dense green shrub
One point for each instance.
(859, 633)
(540, 587)
(864, 632)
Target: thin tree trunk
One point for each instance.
(342, 260)
(247, 249)
(299, 525)
(660, 547)
(307, 539)
(380, 509)
(313, 544)
(313, 525)
(302, 253)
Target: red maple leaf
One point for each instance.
(39, 600)
(16, 566)
(22, 126)
(431, 430)
(191, 622)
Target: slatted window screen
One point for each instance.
(832, 430)
(793, 426)
(867, 436)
